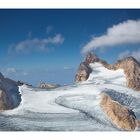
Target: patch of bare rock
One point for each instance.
(9, 94)
(121, 116)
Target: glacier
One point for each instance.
(71, 108)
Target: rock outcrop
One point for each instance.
(120, 115)
(132, 71)
(21, 83)
(84, 69)
(9, 94)
(48, 86)
(83, 72)
(130, 66)
(2, 100)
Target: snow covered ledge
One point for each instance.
(120, 115)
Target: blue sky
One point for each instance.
(46, 45)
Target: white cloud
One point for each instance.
(36, 44)
(135, 54)
(11, 71)
(67, 68)
(127, 32)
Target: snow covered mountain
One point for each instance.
(130, 66)
(76, 107)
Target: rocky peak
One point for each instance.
(83, 72)
(132, 71)
(127, 60)
(130, 66)
(84, 69)
(91, 58)
(130, 58)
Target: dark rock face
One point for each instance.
(9, 94)
(84, 69)
(1, 76)
(130, 66)
(2, 100)
(83, 72)
(21, 83)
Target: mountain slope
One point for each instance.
(9, 94)
(74, 107)
(130, 66)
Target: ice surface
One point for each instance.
(71, 108)
(102, 75)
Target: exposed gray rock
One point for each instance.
(83, 72)
(20, 83)
(9, 94)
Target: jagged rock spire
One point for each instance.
(91, 57)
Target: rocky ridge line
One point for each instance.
(130, 66)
